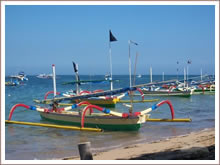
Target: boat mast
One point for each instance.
(129, 60)
(187, 78)
(151, 80)
(201, 73)
(54, 81)
(177, 70)
(163, 77)
(184, 77)
(135, 68)
(110, 59)
(129, 63)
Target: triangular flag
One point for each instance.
(111, 37)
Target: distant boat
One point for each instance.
(45, 76)
(139, 76)
(12, 83)
(107, 77)
(166, 90)
(21, 76)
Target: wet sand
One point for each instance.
(194, 146)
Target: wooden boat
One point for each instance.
(95, 120)
(167, 93)
(13, 82)
(85, 117)
(10, 83)
(45, 76)
(102, 101)
(204, 89)
(21, 76)
(106, 120)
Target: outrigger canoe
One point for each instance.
(107, 120)
(85, 117)
(102, 101)
(167, 93)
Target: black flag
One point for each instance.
(111, 37)
(75, 67)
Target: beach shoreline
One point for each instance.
(198, 145)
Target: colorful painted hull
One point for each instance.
(96, 120)
(200, 91)
(100, 102)
(10, 84)
(166, 93)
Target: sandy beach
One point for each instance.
(194, 146)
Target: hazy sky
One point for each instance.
(39, 36)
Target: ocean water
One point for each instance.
(29, 142)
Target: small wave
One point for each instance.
(99, 149)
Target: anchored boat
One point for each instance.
(167, 93)
(21, 76)
(85, 118)
(105, 120)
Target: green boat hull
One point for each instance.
(165, 93)
(102, 122)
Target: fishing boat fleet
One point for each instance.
(96, 110)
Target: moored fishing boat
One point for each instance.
(108, 100)
(166, 90)
(12, 83)
(84, 117)
(204, 89)
(95, 120)
(21, 76)
(45, 76)
(106, 120)
(167, 93)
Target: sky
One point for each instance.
(38, 36)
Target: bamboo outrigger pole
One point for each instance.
(54, 126)
(168, 120)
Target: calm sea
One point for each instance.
(29, 142)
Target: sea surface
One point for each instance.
(41, 143)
